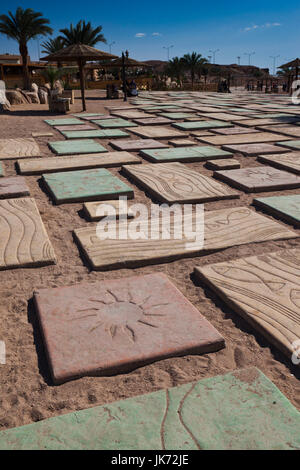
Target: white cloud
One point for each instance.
(156, 34)
(262, 26)
(140, 35)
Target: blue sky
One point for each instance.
(269, 28)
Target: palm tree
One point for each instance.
(201, 67)
(175, 68)
(53, 45)
(82, 33)
(23, 26)
(52, 74)
(191, 62)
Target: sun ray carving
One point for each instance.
(117, 316)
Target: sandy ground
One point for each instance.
(26, 391)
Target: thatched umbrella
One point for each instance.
(294, 64)
(80, 53)
(125, 62)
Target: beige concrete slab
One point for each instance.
(292, 131)
(286, 161)
(130, 114)
(24, 241)
(12, 149)
(134, 145)
(223, 228)
(254, 138)
(13, 186)
(264, 290)
(254, 149)
(175, 182)
(258, 179)
(265, 121)
(42, 134)
(156, 132)
(96, 210)
(225, 116)
(78, 162)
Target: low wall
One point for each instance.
(101, 84)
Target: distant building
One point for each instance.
(11, 70)
(10, 59)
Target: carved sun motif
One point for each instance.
(116, 315)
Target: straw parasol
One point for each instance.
(294, 64)
(125, 62)
(80, 53)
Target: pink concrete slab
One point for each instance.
(254, 149)
(13, 186)
(259, 179)
(182, 142)
(233, 130)
(110, 327)
(137, 144)
(201, 133)
(153, 121)
(96, 116)
(226, 164)
(79, 127)
(156, 132)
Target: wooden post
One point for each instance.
(82, 84)
(124, 77)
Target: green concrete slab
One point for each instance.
(186, 126)
(242, 410)
(186, 154)
(95, 134)
(1, 170)
(76, 147)
(85, 185)
(285, 207)
(291, 144)
(114, 123)
(63, 122)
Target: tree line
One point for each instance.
(193, 63)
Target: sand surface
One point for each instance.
(26, 390)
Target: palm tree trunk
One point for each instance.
(26, 76)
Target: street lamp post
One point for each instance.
(110, 45)
(249, 54)
(274, 57)
(239, 59)
(168, 51)
(214, 54)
